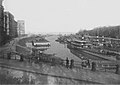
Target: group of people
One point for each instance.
(69, 63)
(85, 63)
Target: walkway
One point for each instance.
(61, 72)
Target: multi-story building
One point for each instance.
(1, 23)
(15, 28)
(10, 25)
(21, 27)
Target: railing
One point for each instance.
(83, 64)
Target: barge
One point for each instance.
(88, 48)
(40, 45)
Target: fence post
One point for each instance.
(117, 69)
(93, 66)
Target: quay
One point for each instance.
(81, 75)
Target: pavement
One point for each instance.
(76, 76)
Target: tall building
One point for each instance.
(10, 25)
(1, 23)
(21, 27)
(1, 2)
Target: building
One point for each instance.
(1, 2)
(21, 27)
(40, 45)
(15, 28)
(1, 23)
(10, 25)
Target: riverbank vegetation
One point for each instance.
(107, 31)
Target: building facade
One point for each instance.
(9, 28)
(21, 27)
(1, 23)
(10, 25)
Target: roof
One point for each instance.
(80, 40)
(41, 40)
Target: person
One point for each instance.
(9, 55)
(72, 63)
(67, 62)
(117, 69)
(88, 63)
(21, 58)
(93, 66)
(83, 64)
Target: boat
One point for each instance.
(41, 44)
(79, 44)
(87, 47)
(61, 39)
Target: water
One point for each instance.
(60, 50)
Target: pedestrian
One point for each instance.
(93, 66)
(88, 63)
(9, 55)
(117, 69)
(72, 63)
(83, 64)
(21, 58)
(67, 62)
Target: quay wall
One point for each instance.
(23, 50)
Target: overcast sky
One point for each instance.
(64, 15)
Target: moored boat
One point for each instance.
(87, 47)
(41, 44)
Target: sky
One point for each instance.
(64, 15)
